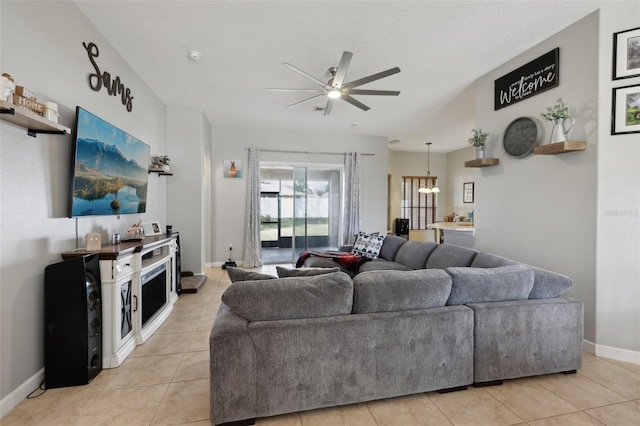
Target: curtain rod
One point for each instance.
(308, 152)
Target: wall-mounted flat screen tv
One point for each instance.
(110, 169)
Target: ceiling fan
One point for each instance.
(336, 89)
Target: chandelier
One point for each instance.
(428, 188)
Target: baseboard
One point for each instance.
(12, 400)
(618, 354)
(589, 347)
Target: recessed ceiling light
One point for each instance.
(194, 55)
(394, 141)
(354, 124)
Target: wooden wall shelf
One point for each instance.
(29, 120)
(161, 172)
(482, 162)
(560, 148)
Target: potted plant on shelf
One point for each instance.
(478, 141)
(160, 163)
(558, 115)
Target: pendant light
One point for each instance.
(428, 189)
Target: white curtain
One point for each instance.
(351, 196)
(252, 211)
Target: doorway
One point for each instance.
(299, 210)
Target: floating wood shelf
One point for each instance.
(161, 172)
(560, 148)
(482, 162)
(30, 120)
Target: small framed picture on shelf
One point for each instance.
(626, 54)
(467, 192)
(625, 114)
(152, 228)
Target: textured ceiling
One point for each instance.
(440, 46)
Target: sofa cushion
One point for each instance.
(390, 247)
(414, 254)
(290, 298)
(239, 274)
(304, 272)
(488, 260)
(476, 285)
(546, 284)
(368, 245)
(446, 255)
(380, 264)
(386, 291)
(549, 284)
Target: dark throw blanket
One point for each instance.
(345, 259)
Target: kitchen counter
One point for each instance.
(454, 230)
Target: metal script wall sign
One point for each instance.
(96, 81)
(543, 73)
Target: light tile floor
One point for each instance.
(166, 382)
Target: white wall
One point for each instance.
(541, 210)
(41, 47)
(618, 206)
(230, 143)
(188, 133)
(457, 175)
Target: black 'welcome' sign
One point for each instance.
(543, 73)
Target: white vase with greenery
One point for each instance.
(478, 141)
(561, 122)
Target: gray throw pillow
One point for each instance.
(291, 298)
(476, 285)
(387, 291)
(238, 274)
(304, 272)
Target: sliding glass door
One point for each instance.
(300, 210)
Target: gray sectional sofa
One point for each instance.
(421, 317)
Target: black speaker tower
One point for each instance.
(73, 322)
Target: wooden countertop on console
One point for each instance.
(114, 251)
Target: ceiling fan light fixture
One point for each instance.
(334, 94)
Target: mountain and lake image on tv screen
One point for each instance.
(109, 169)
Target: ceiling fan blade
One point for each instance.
(327, 108)
(309, 76)
(294, 90)
(374, 92)
(355, 102)
(305, 100)
(372, 77)
(342, 69)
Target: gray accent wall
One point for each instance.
(41, 47)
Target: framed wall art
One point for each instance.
(626, 54)
(625, 114)
(232, 168)
(152, 228)
(467, 192)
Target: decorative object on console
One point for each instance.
(626, 54)
(558, 115)
(93, 241)
(478, 141)
(521, 136)
(335, 89)
(535, 77)
(428, 188)
(134, 232)
(626, 110)
(152, 228)
(467, 192)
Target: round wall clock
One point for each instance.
(521, 136)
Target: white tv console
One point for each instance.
(138, 282)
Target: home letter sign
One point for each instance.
(96, 81)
